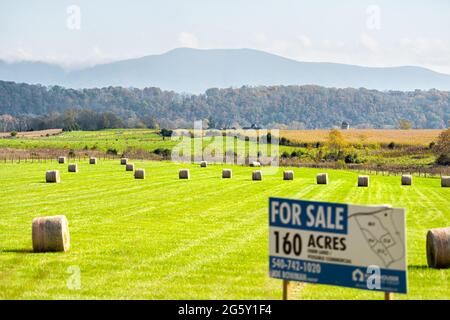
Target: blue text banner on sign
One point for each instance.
(338, 244)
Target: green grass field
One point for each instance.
(165, 238)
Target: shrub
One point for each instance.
(162, 152)
(391, 145)
(285, 155)
(71, 153)
(166, 132)
(442, 148)
(112, 151)
(443, 160)
(284, 141)
(13, 133)
(352, 158)
(318, 145)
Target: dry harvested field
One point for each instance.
(33, 134)
(413, 136)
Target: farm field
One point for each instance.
(149, 139)
(120, 140)
(165, 238)
(33, 134)
(145, 141)
(369, 136)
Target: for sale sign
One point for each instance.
(338, 244)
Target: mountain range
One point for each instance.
(189, 70)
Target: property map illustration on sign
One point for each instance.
(338, 244)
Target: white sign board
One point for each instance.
(338, 244)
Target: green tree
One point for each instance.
(404, 124)
(442, 148)
(336, 141)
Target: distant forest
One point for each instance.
(35, 107)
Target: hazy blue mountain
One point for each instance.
(194, 71)
(32, 72)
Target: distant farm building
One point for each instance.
(345, 125)
(253, 126)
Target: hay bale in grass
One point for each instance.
(288, 175)
(73, 167)
(255, 164)
(438, 248)
(52, 176)
(50, 234)
(61, 160)
(445, 181)
(183, 174)
(227, 173)
(92, 160)
(322, 178)
(204, 164)
(129, 167)
(257, 175)
(123, 161)
(406, 180)
(139, 174)
(363, 181)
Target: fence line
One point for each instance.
(363, 168)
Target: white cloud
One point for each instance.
(365, 50)
(305, 41)
(369, 43)
(89, 59)
(187, 39)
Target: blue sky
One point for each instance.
(372, 33)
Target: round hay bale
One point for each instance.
(204, 164)
(129, 167)
(61, 160)
(183, 174)
(73, 167)
(255, 164)
(92, 160)
(445, 181)
(322, 178)
(50, 234)
(227, 173)
(257, 175)
(406, 180)
(123, 161)
(363, 181)
(52, 176)
(438, 248)
(288, 175)
(139, 174)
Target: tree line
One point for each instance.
(33, 107)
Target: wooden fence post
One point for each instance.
(287, 289)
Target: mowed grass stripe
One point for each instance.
(166, 238)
